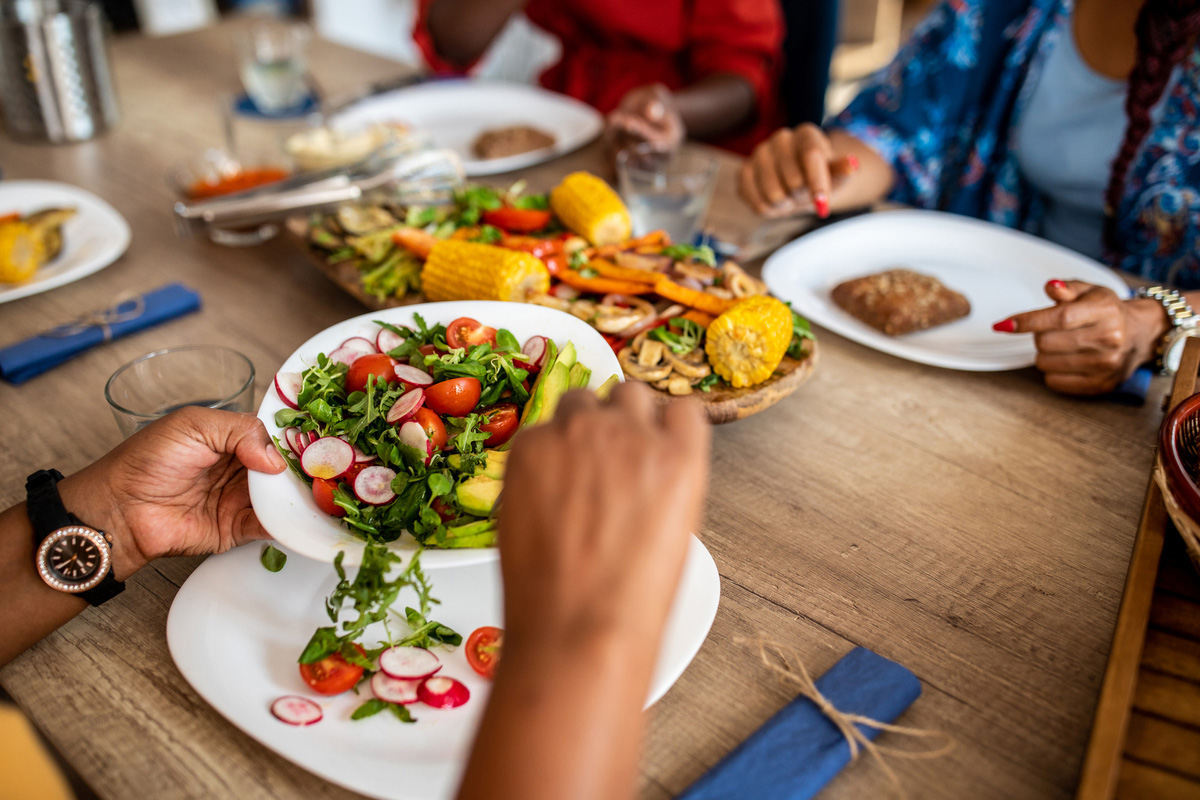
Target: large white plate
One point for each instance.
(455, 112)
(1001, 272)
(94, 238)
(230, 604)
(283, 502)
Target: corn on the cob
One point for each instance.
(22, 251)
(588, 206)
(457, 270)
(747, 342)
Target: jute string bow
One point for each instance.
(790, 669)
(102, 318)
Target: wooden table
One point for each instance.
(974, 527)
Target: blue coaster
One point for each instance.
(245, 107)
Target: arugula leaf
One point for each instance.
(506, 342)
(324, 642)
(801, 330)
(679, 334)
(288, 417)
(681, 252)
(439, 484)
(706, 383)
(488, 234)
(273, 559)
(375, 705)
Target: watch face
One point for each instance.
(73, 559)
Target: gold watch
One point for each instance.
(1184, 325)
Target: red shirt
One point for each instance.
(612, 46)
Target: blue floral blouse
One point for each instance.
(945, 115)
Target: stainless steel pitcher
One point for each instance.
(54, 78)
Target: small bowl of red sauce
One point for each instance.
(215, 173)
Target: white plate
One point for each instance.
(455, 112)
(283, 502)
(230, 604)
(1001, 272)
(94, 238)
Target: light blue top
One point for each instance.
(1067, 141)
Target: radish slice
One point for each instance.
(411, 376)
(412, 434)
(405, 406)
(394, 690)
(327, 458)
(345, 355)
(359, 456)
(441, 692)
(360, 343)
(408, 663)
(288, 385)
(387, 340)
(305, 439)
(296, 710)
(534, 351)
(292, 437)
(374, 485)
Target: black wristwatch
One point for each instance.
(69, 555)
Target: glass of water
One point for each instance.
(667, 191)
(158, 383)
(273, 61)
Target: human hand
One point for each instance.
(794, 171)
(176, 487)
(1090, 340)
(647, 115)
(598, 505)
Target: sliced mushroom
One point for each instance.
(679, 385)
(549, 300)
(615, 319)
(638, 372)
(651, 353)
(686, 369)
(739, 282)
(650, 263)
(662, 385)
(703, 273)
(357, 220)
(717, 291)
(584, 309)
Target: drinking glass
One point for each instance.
(666, 190)
(158, 383)
(273, 61)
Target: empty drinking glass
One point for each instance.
(273, 62)
(158, 383)
(667, 191)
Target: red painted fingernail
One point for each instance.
(1005, 326)
(852, 162)
(1057, 284)
(821, 203)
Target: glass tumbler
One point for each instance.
(273, 62)
(667, 191)
(158, 383)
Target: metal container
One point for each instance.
(55, 84)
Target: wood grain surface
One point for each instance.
(974, 527)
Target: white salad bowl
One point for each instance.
(284, 503)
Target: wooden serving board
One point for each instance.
(723, 404)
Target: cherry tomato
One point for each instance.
(518, 220)
(555, 264)
(465, 332)
(456, 397)
(542, 248)
(501, 421)
(323, 493)
(433, 426)
(483, 650)
(378, 364)
(443, 509)
(332, 674)
(352, 473)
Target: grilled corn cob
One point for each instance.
(22, 251)
(747, 342)
(457, 270)
(588, 206)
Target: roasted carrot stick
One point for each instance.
(603, 285)
(698, 317)
(610, 270)
(708, 303)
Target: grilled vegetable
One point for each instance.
(457, 270)
(22, 251)
(747, 342)
(588, 206)
(48, 224)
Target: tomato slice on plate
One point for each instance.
(501, 421)
(332, 674)
(434, 428)
(483, 650)
(542, 248)
(379, 365)
(456, 397)
(323, 494)
(465, 332)
(518, 220)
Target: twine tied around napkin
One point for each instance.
(102, 318)
(791, 669)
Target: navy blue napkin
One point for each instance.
(797, 751)
(24, 360)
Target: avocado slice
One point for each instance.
(474, 534)
(580, 375)
(478, 495)
(556, 386)
(605, 389)
(493, 467)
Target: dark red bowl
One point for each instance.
(1179, 482)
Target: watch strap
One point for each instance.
(1180, 314)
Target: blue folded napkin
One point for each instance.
(1135, 388)
(24, 360)
(797, 751)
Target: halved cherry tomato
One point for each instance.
(532, 245)
(555, 263)
(332, 674)
(465, 332)
(352, 473)
(378, 364)
(323, 494)
(483, 650)
(518, 220)
(456, 397)
(501, 422)
(433, 426)
(443, 509)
